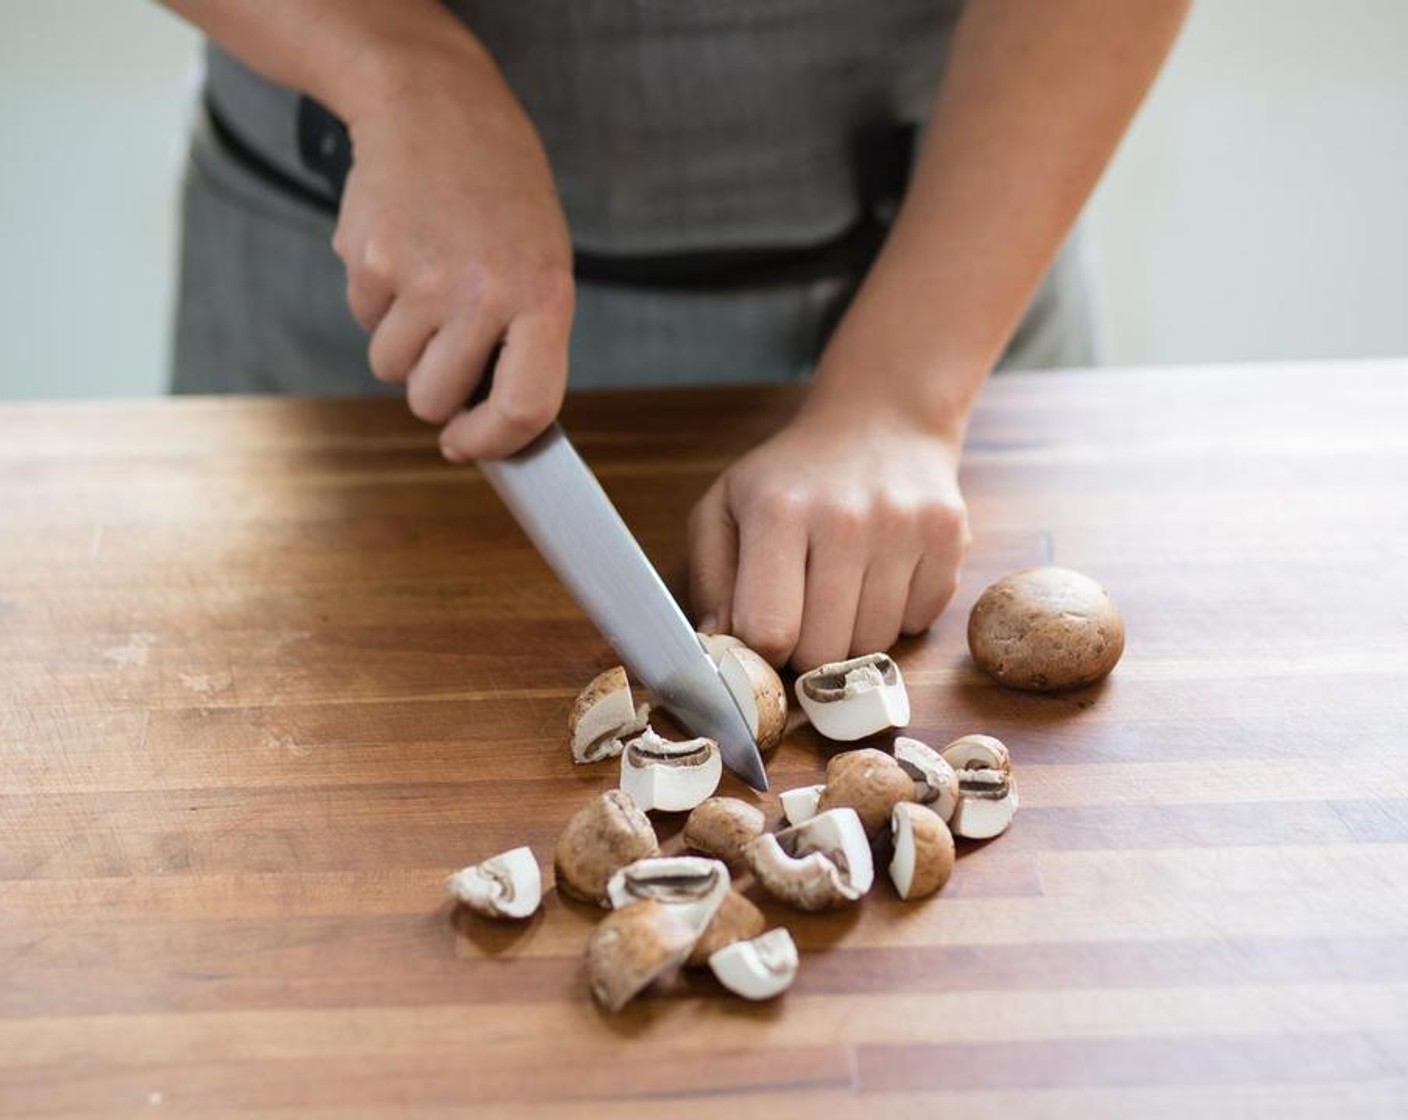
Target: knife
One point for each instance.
(567, 515)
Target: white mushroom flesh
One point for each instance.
(758, 691)
(987, 792)
(935, 781)
(800, 804)
(508, 885)
(848, 700)
(758, 969)
(670, 776)
(692, 887)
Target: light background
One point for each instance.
(1258, 209)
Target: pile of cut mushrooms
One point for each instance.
(667, 912)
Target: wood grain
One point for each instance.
(269, 670)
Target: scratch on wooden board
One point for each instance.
(135, 653)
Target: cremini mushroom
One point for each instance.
(670, 776)
(923, 847)
(987, 792)
(692, 886)
(736, 919)
(758, 692)
(758, 969)
(848, 700)
(935, 783)
(816, 865)
(508, 885)
(800, 804)
(1045, 630)
(869, 781)
(716, 645)
(603, 717)
(722, 827)
(604, 835)
(631, 947)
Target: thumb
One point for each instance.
(713, 561)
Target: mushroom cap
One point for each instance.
(924, 854)
(870, 782)
(821, 863)
(736, 919)
(800, 804)
(722, 827)
(508, 885)
(603, 836)
(1045, 629)
(757, 690)
(758, 969)
(935, 782)
(631, 947)
(848, 700)
(661, 774)
(602, 715)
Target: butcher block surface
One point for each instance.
(269, 670)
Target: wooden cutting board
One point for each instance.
(269, 670)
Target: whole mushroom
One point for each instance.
(1045, 630)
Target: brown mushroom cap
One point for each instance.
(604, 835)
(869, 781)
(722, 827)
(736, 919)
(1045, 630)
(933, 850)
(631, 947)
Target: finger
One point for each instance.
(448, 370)
(368, 298)
(399, 341)
(931, 588)
(835, 572)
(713, 561)
(529, 384)
(884, 594)
(769, 590)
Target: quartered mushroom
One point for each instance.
(693, 887)
(633, 946)
(736, 919)
(848, 700)
(987, 793)
(600, 839)
(508, 885)
(819, 864)
(935, 781)
(923, 847)
(670, 776)
(722, 827)
(869, 781)
(758, 969)
(603, 717)
(800, 804)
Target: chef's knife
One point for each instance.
(566, 514)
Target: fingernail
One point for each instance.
(451, 454)
(708, 624)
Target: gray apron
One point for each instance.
(672, 127)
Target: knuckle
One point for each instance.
(527, 414)
(552, 291)
(426, 403)
(779, 503)
(772, 638)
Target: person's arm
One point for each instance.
(847, 528)
(450, 227)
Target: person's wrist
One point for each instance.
(868, 396)
(392, 75)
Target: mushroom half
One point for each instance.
(603, 717)
(670, 776)
(508, 885)
(848, 700)
(758, 969)
(722, 827)
(602, 837)
(819, 864)
(935, 781)
(693, 887)
(869, 781)
(987, 792)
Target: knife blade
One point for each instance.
(564, 511)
